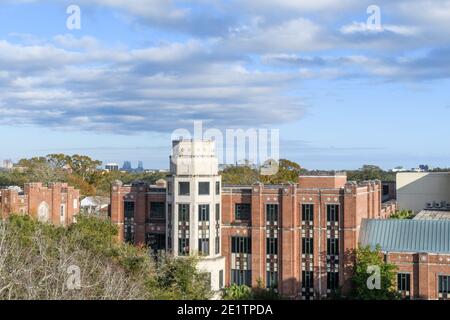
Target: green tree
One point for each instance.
(237, 292)
(365, 258)
(402, 214)
(288, 172)
(179, 279)
(240, 175)
(35, 257)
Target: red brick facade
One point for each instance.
(424, 270)
(352, 201)
(58, 203)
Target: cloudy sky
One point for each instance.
(342, 93)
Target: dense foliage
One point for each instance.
(243, 292)
(370, 172)
(402, 214)
(37, 261)
(365, 258)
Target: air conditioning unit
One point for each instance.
(436, 204)
(429, 205)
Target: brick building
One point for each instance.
(58, 203)
(296, 238)
(421, 251)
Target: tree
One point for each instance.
(237, 292)
(179, 279)
(402, 214)
(370, 172)
(243, 292)
(36, 261)
(288, 172)
(240, 175)
(367, 263)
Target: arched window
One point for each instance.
(43, 212)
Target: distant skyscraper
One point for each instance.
(127, 166)
(140, 167)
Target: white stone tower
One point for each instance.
(194, 206)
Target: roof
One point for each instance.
(396, 235)
(95, 201)
(433, 215)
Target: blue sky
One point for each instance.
(341, 94)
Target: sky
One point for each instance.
(342, 90)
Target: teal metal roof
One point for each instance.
(393, 235)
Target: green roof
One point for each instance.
(395, 235)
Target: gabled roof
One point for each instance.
(432, 236)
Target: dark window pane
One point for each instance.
(217, 188)
(242, 211)
(203, 188)
(203, 212)
(128, 209)
(183, 188)
(157, 211)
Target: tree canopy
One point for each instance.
(38, 261)
(368, 262)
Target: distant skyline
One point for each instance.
(341, 94)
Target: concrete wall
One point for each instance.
(415, 189)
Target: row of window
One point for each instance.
(203, 212)
(242, 211)
(404, 285)
(204, 188)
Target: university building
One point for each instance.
(58, 203)
(295, 238)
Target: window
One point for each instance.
(241, 277)
(242, 211)
(332, 212)
(272, 279)
(217, 239)
(157, 211)
(272, 246)
(333, 246)
(217, 188)
(217, 244)
(385, 190)
(444, 287)
(308, 279)
(403, 282)
(332, 280)
(308, 212)
(272, 212)
(203, 212)
(128, 208)
(220, 279)
(183, 188)
(156, 241)
(203, 246)
(183, 212)
(203, 188)
(307, 245)
(183, 246)
(217, 212)
(241, 245)
(169, 188)
(169, 212)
